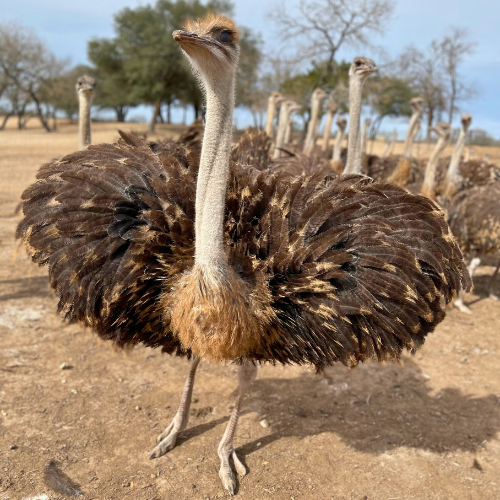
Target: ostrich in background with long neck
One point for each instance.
(274, 99)
(402, 173)
(389, 145)
(453, 173)
(317, 98)
(336, 163)
(85, 86)
(429, 184)
(331, 108)
(361, 68)
(289, 126)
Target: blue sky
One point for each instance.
(66, 26)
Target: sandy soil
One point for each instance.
(427, 429)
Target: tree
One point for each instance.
(324, 26)
(113, 87)
(154, 67)
(388, 96)
(27, 66)
(423, 72)
(453, 48)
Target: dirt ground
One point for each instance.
(427, 429)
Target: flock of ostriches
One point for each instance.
(263, 250)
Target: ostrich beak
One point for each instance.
(188, 38)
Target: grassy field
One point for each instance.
(426, 429)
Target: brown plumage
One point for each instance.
(253, 148)
(474, 217)
(341, 273)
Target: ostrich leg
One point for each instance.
(167, 439)
(492, 281)
(459, 303)
(246, 375)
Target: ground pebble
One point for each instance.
(13, 446)
(264, 423)
(65, 366)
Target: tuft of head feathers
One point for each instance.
(210, 23)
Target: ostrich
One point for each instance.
(85, 86)
(331, 108)
(429, 184)
(274, 99)
(289, 126)
(402, 174)
(337, 163)
(257, 268)
(474, 217)
(361, 68)
(318, 96)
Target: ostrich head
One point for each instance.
(442, 130)
(276, 98)
(417, 105)
(211, 45)
(319, 95)
(466, 121)
(332, 107)
(342, 123)
(368, 122)
(362, 67)
(85, 85)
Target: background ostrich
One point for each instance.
(317, 98)
(389, 145)
(286, 108)
(361, 68)
(364, 136)
(85, 86)
(429, 184)
(331, 108)
(274, 99)
(257, 269)
(402, 174)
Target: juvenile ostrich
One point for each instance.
(429, 184)
(331, 108)
(317, 98)
(258, 268)
(85, 86)
(337, 163)
(274, 99)
(403, 174)
(361, 68)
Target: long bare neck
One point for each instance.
(312, 127)
(429, 184)
(410, 134)
(213, 175)
(353, 164)
(84, 138)
(271, 110)
(453, 168)
(288, 132)
(328, 129)
(337, 149)
(280, 133)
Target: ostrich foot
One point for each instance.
(168, 438)
(226, 473)
(459, 304)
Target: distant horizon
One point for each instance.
(67, 28)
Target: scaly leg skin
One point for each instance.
(246, 375)
(490, 288)
(167, 439)
(459, 303)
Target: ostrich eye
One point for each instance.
(225, 37)
(358, 63)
